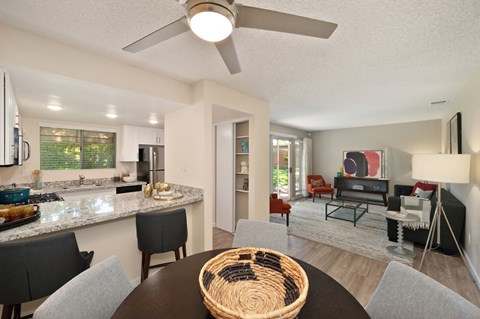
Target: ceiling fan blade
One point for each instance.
(256, 18)
(226, 48)
(169, 31)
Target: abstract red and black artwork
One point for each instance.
(367, 164)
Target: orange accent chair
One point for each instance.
(278, 206)
(323, 188)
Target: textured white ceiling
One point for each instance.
(385, 63)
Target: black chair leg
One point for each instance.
(287, 219)
(7, 311)
(17, 311)
(177, 254)
(184, 249)
(145, 266)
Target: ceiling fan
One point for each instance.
(214, 21)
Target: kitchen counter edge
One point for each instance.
(70, 214)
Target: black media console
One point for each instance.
(362, 185)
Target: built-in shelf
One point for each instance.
(241, 179)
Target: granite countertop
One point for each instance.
(74, 187)
(68, 214)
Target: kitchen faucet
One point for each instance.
(82, 179)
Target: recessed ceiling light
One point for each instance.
(111, 115)
(54, 107)
(153, 121)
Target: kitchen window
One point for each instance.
(69, 148)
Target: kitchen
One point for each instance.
(50, 65)
(188, 129)
(95, 197)
(128, 137)
(98, 210)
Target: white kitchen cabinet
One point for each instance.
(133, 136)
(151, 136)
(130, 143)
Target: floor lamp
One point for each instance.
(441, 168)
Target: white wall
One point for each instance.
(259, 128)
(400, 141)
(468, 103)
(280, 130)
(190, 136)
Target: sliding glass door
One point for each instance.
(286, 172)
(280, 167)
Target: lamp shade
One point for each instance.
(441, 168)
(210, 21)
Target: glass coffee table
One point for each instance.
(348, 210)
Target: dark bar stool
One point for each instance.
(160, 232)
(36, 268)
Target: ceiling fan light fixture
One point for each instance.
(210, 21)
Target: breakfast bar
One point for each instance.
(106, 223)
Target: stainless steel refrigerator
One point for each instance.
(150, 166)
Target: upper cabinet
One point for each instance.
(151, 136)
(133, 136)
(130, 143)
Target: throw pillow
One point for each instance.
(423, 194)
(317, 182)
(424, 187)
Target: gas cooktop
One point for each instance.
(44, 198)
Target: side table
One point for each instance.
(399, 249)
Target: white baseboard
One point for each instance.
(135, 282)
(471, 269)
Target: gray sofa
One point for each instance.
(454, 210)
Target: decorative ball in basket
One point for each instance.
(253, 283)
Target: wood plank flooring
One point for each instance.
(360, 275)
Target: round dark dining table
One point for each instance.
(174, 292)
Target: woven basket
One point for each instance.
(253, 283)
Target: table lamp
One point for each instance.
(441, 168)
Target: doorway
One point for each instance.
(280, 166)
(286, 170)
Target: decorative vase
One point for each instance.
(244, 145)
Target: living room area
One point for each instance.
(398, 142)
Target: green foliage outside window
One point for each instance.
(64, 149)
(280, 176)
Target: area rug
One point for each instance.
(369, 238)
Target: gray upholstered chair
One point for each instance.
(405, 292)
(35, 268)
(160, 232)
(95, 293)
(251, 233)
